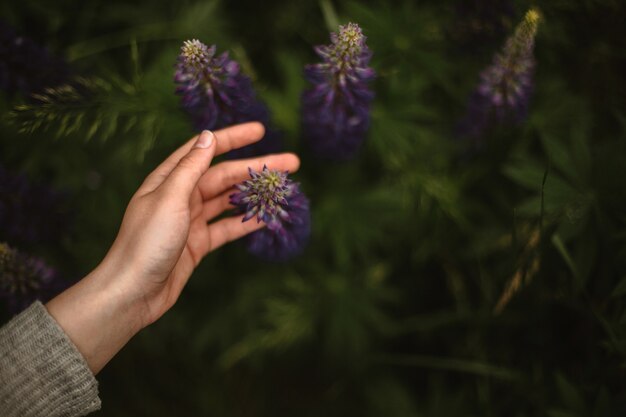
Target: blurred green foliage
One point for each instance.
(439, 281)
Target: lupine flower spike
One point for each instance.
(336, 110)
(24, 279)
(215, 93)
(506, 85)
(273, 198)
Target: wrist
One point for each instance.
(98, 314)
(117, 284)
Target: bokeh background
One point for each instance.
(444, 277)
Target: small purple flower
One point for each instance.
(276, 200)
(30, 213)
(24, 279)
(506, 85)
(215, 93)
(25, 66)
(336, 110)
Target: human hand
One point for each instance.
(164, 235)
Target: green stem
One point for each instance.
(449, 364)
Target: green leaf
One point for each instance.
(559, 155)
(449, 364)
(562, 249)
(330, 15)
(602, 405)
(570, 395)
(620, 289)
(526, 173)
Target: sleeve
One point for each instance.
(41, 371)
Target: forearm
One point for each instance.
(98, 314)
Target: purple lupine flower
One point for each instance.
(30, 213)
(24, 279)
(276, 200)
(215, 93)
(336, 110)
(505, 86)
(25, 66)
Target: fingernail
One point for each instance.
(204, 140)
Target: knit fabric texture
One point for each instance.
(41, 371)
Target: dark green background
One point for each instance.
(391, 311)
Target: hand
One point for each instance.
(163, 237)
(165, 231)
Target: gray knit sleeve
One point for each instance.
(41, 371)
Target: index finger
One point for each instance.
(227, 139)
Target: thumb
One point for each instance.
(185, 176)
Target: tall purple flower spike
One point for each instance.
(276, 200)
(24, 279)
(336, 109)
(215, 94)
(505, 87)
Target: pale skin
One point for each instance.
(166, 231)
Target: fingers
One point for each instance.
(227, 230)
(185, 175)
(216, 206)
(227, 139)
(238, 136)
(227, 174)
(205, 238)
